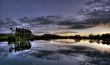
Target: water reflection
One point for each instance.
(92, 43)
(57, 52)
(106, 41)
(83, 52)
(100, 45)
(19, 46)
(83, 40)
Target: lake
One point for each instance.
(55, 52)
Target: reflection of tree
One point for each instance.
(19, 46)
(77, 40)
(94, 40)
(106, 41)
(19, 40)
(98, 41)
(91, 41)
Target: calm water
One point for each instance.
(55, 52)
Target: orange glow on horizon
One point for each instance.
(73, 34)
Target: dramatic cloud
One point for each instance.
(44, 23)
(97, 11)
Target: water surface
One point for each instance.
(55, 52)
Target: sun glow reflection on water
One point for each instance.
(86, 43)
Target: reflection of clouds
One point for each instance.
(78, 53)
(55, 52)
(4, 49)
(59, 53)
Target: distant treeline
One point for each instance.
(53, 36)
(91, 36)
(20, 33)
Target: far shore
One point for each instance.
(4, 37)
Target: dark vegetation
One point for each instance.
(27, 34)
(53, 36)
(19, 39)
(20, 34)
(19, 45)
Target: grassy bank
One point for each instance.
(13, 37)
(4, 37)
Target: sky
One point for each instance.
(33, 8)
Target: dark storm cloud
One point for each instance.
(19, 8)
